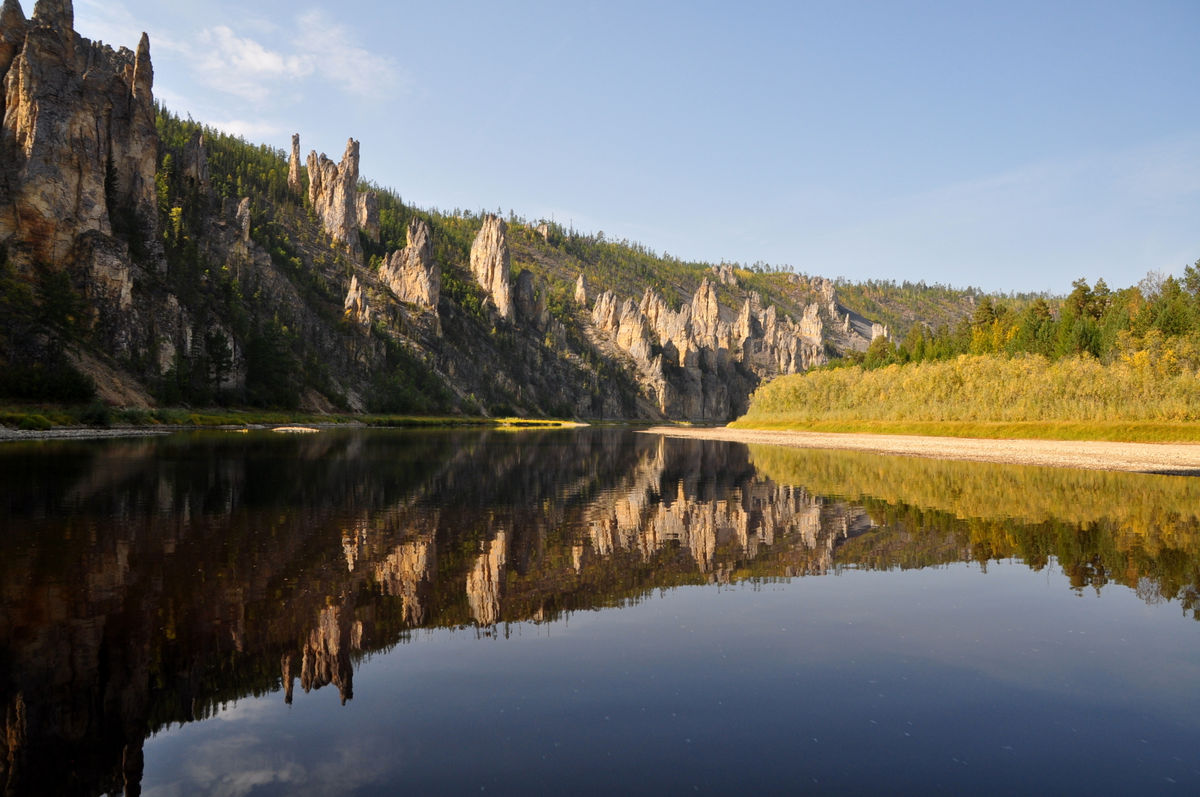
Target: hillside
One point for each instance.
(147, 260)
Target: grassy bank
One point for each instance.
(992, 396)
(42, 417)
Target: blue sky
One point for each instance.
(1013, 146)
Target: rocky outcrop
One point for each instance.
(700, 364)
(294, 184)
(410, 272)
(333, 193)
(368, 214)
(490, 263)
(243, 220)
(355, 305)
(195, 161)
(725, 275)
(543, 230)
(530, 301)
(581, 292)
(78, 149)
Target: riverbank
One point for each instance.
(1177, 458)
(235, 422)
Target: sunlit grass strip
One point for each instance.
(40, 418)
(976, 395)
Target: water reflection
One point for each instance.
(148, 582)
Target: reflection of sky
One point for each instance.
(870, 680)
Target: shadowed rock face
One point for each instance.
(491, 265)
(333, 192)
(368, 215)
(195, 161)
(531, 301)
(78, 147)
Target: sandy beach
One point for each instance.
(1180, 458)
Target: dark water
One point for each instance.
(587, 612)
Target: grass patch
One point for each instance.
(40, 418)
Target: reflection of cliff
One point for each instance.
(194, 571)
(485, 580)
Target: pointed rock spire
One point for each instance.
(143, 70)
(294, 165)
(55, 13)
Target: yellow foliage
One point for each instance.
(1150, 384)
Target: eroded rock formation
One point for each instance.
(368, 214)
(294, 184)
(531, 301)
(195, 161)
(356, 305)
(490, 263)
(410, 272)
(78, 149)
(333, 192)
(698, 363)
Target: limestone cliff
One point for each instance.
(699, 363)
(294, 184)
(368, 214)
(355, 304)
(333, 194)
(410, 272)
(185, 271)
(78, 148)
(490, 263)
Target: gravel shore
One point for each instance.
(1178, 458)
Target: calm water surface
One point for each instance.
(587, 612)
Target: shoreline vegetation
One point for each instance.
(54, 422)
(1135, 399)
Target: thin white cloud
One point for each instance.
(342, 62)
(251, 130)
(244, 67)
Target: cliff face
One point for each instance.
(333, 194)
(490, 263)
(229, 293)
(410, 272)
(699, 362)
(78, 146)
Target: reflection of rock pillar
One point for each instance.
(289, 677)
(14, 740)
(326, 657)
(404, 572)
(133, 762)
(484, 581)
